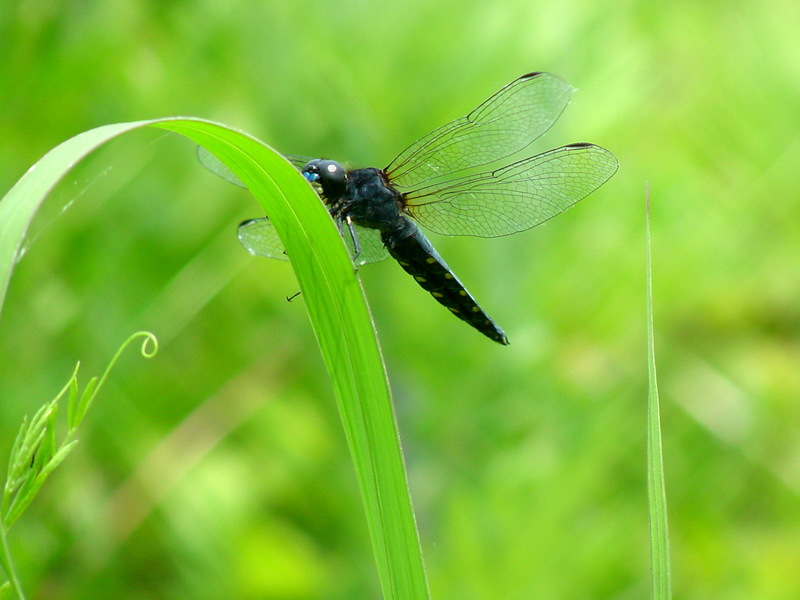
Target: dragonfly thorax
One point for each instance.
(370, 201)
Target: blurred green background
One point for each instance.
(219, 469)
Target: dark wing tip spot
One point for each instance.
(580, 145)
(531, 75)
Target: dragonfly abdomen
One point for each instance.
(419, 259)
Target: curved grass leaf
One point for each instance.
(335, 303)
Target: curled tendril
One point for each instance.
(148, 341)
(147, 352)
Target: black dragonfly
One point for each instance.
(437, 182)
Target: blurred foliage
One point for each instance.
(219, 469)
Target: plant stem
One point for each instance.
(8, 563)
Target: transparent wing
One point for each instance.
(216, 166)
(516, 197)
(506, 123)
(371, 248)
(259, 238)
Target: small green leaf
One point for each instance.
(47, 449)
(15, 468)
(84, 402)
(28, 441)
(72, 401)
(58, 457)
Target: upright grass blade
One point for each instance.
(336, 307)
(659, 531)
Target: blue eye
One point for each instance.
(312, 177)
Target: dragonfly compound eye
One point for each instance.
(330, 175)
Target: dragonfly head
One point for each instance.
(327, 175)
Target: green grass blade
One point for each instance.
(19, 206)
(659, 530)
(336, 306)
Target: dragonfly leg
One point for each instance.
(353, 238)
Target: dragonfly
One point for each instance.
(461, 179)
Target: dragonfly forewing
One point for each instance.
(503, 125)
(216, 166)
